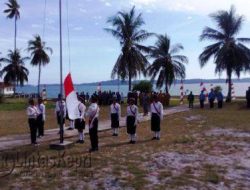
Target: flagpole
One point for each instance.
(61, 79)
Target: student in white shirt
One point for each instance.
(80, 121)
(60, 111)
(115, 114)
(41, 117)
(32, 113)
(132, 120)
(156, 117)
(93, 114)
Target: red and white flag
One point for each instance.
(71, 98)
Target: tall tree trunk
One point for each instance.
(129, 81)
(229, 95)
(166, 85)
(15, 34)
(39, 78)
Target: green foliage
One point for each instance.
(143, 86)
(1, 98)
(217, 89)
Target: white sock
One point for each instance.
(113, 130)
(158, 134)
(155, 135)
(116, 131)
(134, 137)
(80, 136)
(72, 124)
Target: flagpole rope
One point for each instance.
(44, 18)
(69, 50)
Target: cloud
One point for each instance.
(195, 6)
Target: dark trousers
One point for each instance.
(33, 130)
(202, 103)
(93, 134)
(248, 103)
(220, 104)
(40, 126)
(191, 104)
(211, 103)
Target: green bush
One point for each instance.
(143, 86)
(1, 98)
(217, 89)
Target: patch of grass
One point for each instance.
(211, 174)
(184, 139)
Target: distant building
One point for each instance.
(6, 89)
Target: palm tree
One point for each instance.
(39, 56)
(12, 11)
(229, 53)
(167, 64)
(127, 29)
(15, 72)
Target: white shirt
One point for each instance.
(156, 107)
(32, 112)
(82, 110)
(41, 110)
(60, 104)
(133, 111)
(115, 108)
(92, 113)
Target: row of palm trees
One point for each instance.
(229, 52)
(15, 72)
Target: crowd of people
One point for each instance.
(151, 102)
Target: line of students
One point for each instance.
(92, 113)
(36, 119)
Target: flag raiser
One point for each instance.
(71, 98)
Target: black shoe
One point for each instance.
(133, 142)
(70, 128)
(154, 138)
(78, 141)
(116, 135)
(113, 134)
(158, 138)
(93, 149)
(130, 142)
(81, 141)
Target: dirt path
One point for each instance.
(13, 141)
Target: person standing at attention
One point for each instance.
(93, 114)
(248, 97)
(211, 98)
(132, 120)
(191, 100)
(202, 99)
(60, 111)
(41, 117)
(32, 113)
(80, 121)
(115, 114)
(156, 117)
(220, 99)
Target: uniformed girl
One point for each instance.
(156, 117)
(41, 117)
(115, 114)
(93, 114)
(80, 121)
(132, 120)
(32, 113)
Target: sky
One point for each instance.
(91, 53)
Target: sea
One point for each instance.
(53, 90)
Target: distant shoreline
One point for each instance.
(187, 81)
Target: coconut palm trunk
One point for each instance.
(129, 81)
(39, 79)
(229, 95)
(15, 33)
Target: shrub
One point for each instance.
(143, 86)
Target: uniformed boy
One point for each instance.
(115, 114)
(41, 117)
(156, 108)
(80, 121)
(93, 114)
(132, 120)
(32, 113)
(60, 111)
